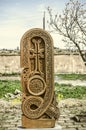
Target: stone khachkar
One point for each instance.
(39, 108)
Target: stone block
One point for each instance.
(57, 127)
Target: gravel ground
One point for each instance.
(10, 114)
(72, 82)
(56, 79)
(10, 78)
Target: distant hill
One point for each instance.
(57, 51)
(6, 52)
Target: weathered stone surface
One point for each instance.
(38, 100)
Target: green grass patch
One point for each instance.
(72, 76)
(7, 86)
(62, 90)
(68, 91)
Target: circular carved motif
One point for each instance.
(36, 85)
(31, 105)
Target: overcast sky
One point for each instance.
(18, 16)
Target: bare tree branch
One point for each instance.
(71, 24)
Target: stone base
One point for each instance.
(57, 127)
(37, 123)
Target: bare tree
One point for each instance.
(71, 24)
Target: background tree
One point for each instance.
(71, 24)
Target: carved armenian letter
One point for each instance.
(39, 108)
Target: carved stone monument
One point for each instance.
(39, 108)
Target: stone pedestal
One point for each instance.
(57, 127)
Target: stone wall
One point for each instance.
(69, 64)
(62, 64)
(9, 64)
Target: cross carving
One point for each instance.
(37, 53)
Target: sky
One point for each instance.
(18, 16)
